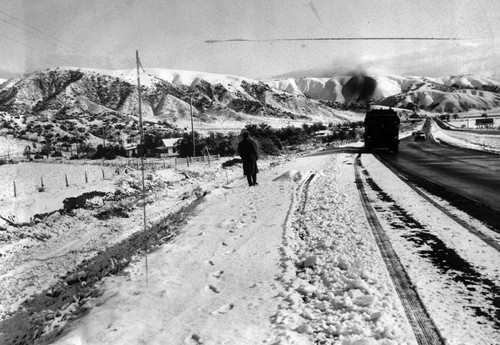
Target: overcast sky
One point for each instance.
(172, 34)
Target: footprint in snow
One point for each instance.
(218, 274)
(241, 224)
(224, 309)
(214, 288)
(198, 339)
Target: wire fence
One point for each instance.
(21, 181)
(135, 163)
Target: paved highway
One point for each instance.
(472, 174)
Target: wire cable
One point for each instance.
(63, 45)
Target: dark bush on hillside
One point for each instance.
(57, 154)
(220, 144)
(266, 138)
(268, 146)
(292, 136)
(310, 129)
(185, 145)
(108, 152)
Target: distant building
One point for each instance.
(130, 149)
(323, 133)
(168, 148)
(484, 123)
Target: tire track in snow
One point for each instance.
(413, 181)
(423, 327)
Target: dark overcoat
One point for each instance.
(247, 149)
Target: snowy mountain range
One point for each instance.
(75, 102)
(166, 94)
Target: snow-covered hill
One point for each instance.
(81, 104)
(73, 93)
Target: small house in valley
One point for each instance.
(168, 148)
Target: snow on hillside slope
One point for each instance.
(173, 76)
(331, 88)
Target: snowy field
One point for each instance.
(28, 198)
(481, 142)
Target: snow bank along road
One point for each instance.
(328, 249)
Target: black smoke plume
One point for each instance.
(359, 88)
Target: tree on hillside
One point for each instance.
(218, 143)
(185, 145)
(266, 138)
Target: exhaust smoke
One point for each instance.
(359, 88)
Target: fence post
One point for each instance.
(86, 178)
(102, 173)
(208, 157)
(15, 190)
(41, 181)
(175, 161)
(66, 178)
(164, 164)
(187, 160)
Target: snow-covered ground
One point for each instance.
(230, 277)
(22, 195)
(291, 261)
(481, 142)
(12, 147)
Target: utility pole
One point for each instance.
(142, 161)
(192, 126)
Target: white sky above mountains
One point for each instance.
(173, 33)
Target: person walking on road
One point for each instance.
(247, 149)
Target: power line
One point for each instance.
(35, 49)
(340, 39)
(38, 30)
(13, 39)
(57, 41)
(30, 33)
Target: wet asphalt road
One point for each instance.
(472, 174)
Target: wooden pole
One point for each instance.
(86, 178)
(15, 190)
(142, 163)
(192, 126)
(66, 178)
